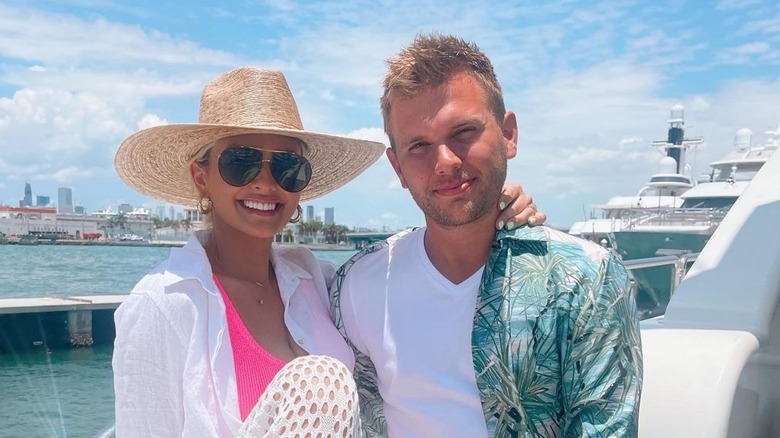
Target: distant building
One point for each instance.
(171, 213)
(137, 213)
(329, 216)
(161, 212)
(65, 200)
(42, 201)
(46, 223)
(309, 213)
(124, 208)
(27, 213)
(104, 214)
(193, 215)
(79, 209)
(27, 201)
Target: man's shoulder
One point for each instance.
(572, 246)
(558, 244)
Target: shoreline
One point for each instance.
(167, 243)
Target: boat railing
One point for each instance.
(702, 217)
(108, 432)
(679, 263)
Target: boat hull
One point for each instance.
(654, 284)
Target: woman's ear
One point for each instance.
(198, 174)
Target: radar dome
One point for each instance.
(677, 115)
(743, 138)
(667, 165)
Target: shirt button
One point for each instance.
(301, 341)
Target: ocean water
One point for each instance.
(69, 393)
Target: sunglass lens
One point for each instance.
(240, 165)
(292, 172)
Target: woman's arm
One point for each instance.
(148, 370)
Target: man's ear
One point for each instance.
(510, 133)
(390, 152)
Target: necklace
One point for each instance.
(260, 300)
(223, 272)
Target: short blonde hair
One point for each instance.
(428, 62)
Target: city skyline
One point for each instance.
(325, 215)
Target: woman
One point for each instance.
(231, 330)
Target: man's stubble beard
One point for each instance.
(480, 203)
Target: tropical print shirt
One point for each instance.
(555, 343)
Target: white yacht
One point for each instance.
(712, 362)
(685, 230)
(662, 192)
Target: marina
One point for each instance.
(675, 214)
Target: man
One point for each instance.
(463, 332)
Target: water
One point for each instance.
(57, 394)
(69, 393)
(45, 270)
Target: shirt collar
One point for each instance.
(190, 261)
(286, 268)
(527, 234)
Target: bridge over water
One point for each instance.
(360, 240)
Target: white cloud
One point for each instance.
(748, 53)
(60, 39)
(327, 95)
(371, 134)
(151, 120)
(68, 174)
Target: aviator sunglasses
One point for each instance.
(240, 165)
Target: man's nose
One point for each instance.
(446, 159)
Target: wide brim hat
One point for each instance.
(248, 100)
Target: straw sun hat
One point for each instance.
(155, 161)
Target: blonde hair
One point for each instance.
(428, 62)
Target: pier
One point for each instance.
(28, 324)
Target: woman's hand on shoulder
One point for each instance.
(517, 208)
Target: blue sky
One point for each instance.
(592, 83)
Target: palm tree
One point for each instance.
(288, 235)
(309, 230)
(186, 224)
(341, 232)
(120, 220)
(175, 225)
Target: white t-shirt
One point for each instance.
(416, 326)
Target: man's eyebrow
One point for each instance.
(411, 140)
(461, 123)
(470, 120)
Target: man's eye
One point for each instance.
(465, 132)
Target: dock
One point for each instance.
(27, 324)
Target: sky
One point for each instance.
(591, 82)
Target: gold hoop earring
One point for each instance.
(207, 208)
(297, 218)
